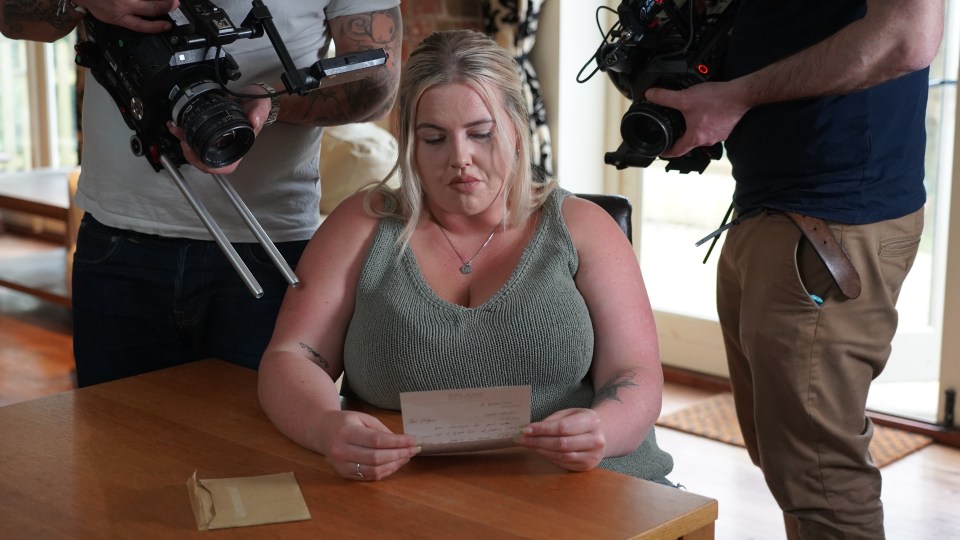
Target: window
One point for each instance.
(39, 104)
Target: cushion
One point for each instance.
(352, 156)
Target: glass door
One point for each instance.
(918, 372)
(38, 105)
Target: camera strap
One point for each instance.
(724, 225)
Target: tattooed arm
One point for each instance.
(36, 20)
(626, 373)
(50, 20)
(367, 99)
(610, 390)
(305, 355)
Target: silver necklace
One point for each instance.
(467, 266)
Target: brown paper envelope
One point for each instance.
(237, 502)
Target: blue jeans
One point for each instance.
(143, 302)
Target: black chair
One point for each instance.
(617, 206)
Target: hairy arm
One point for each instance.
(43, 20)
(367, 99)
(891, 40)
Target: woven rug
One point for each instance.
(715, 418)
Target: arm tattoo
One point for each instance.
(18, 12)
(372, 96)
(317, 357)
(609, 390)
(373, 30)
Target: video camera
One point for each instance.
(658, 43)
(180, 75)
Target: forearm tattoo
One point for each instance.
(317, 357)
(370, 97)
(16, 13)
(608, 392)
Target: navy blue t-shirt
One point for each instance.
(854, 158)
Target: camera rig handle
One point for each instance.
(337, 70)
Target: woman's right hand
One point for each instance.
(360, 447)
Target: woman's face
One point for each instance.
(461, 163)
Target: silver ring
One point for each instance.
(359, 474)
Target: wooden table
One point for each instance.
(112, 461)
(44, 193)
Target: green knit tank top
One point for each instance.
(535, 330)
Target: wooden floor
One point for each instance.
(36, 347)
(921, 492)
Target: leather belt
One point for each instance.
(830, 251)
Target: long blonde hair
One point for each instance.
(471, 58)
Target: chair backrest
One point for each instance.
(617, 206)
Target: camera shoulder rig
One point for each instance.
(672, 44)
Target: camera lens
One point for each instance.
(649, 129)
(215, 126)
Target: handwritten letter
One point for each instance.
(465, 420)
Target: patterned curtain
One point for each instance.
(513, 24)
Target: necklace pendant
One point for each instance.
(466, 268)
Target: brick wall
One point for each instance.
(422, 17)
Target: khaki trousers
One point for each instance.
(801, 370)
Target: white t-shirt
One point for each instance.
(278, 176)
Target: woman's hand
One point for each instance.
(257, 111)
(571, 438)
(360, 447)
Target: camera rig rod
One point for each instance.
(221, 239)
(257, 230)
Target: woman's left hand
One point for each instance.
(571, 438)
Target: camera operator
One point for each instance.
(822, 111)
(150, 287)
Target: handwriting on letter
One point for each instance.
(467, 419)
